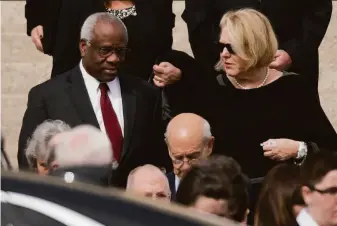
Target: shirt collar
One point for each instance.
(177, 182)
(89, 80)
(304, 219)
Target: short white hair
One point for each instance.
(207, 134)
(89, 24)
(131, 176)
(37, 145)
(84, 145)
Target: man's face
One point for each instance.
(152, 186)
(322, 200)
(103, 55)
(184, 155)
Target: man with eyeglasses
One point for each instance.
(96, 92)
(319, 190)
(188, 138)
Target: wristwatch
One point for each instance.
(302, 151)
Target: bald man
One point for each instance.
(149, 181)
(189, 139)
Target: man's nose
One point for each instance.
(185, 166)
(113, 58)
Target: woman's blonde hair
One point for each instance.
(251, 36)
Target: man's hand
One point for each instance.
(37, 35)
(281, 61)
(165, 74)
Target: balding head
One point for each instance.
(149, 181)
(188, 136)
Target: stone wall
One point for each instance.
(22, 67)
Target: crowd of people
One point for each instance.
(236, 131)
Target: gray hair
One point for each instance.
(89, 24)
(206, 130)
(131, 175)
(84, 145)
(37, 145)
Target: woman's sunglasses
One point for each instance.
(228, 46)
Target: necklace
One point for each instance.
(259, 86)
(123, 13)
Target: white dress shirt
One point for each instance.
(177, 182)
(114, 94)
(304, 219)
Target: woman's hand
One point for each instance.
(37, 35)
(165, 74)
(280, 149)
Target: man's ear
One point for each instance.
(54, 165)
(83, 47)
(210, 145)
(246, 217)
(306, 194)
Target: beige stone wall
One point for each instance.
(22, 67)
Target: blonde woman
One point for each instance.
(265, 113)
(261, 116)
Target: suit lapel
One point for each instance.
(80, 98)
(129, 111)
(172, 183)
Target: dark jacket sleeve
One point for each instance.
(159, 151)
(35, 13)
(35, 114)
(203, 31)
(315, 22)
(185, 95)
(322, 131)
(166, 21)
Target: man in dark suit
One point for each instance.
(189, 139)
(299, 25)
(127, 109)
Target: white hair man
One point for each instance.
(37, 150)
(85, 153)
(98, 92)
(188, 138)
(149, 181)
(90, 23)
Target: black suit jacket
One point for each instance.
(299, 26)
(172, 182)
(65, 98)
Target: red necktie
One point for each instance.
(112, 127)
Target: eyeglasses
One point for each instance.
(180, 162)
(330, 191)
(191, 158)
(105, 52)
(222, 46)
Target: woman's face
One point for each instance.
(232, 64)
